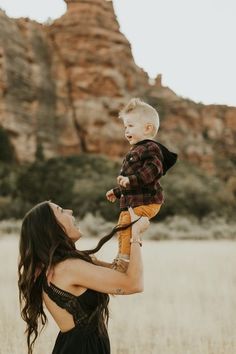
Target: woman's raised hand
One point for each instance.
(141, 225)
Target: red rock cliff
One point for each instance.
(62, 85)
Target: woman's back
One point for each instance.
(57, 290)
(78, 319)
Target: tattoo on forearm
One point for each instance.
(120, 291)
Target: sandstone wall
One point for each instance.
(62, 85)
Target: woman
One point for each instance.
(73, 286)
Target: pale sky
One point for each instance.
(190, 42)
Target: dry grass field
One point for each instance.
(188, 306)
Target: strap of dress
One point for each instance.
(67, 301)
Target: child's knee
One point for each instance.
(149, 210)
(125, 218)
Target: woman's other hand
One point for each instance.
(141, 225)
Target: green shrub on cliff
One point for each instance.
(189, 191)
(81, 182)
(6, 149)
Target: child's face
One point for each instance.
(135, 130)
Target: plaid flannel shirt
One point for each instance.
(143, 165)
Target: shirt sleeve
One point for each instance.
(151, 170)
(117, 192)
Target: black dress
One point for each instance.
(85, 337)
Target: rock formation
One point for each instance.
(94, 72)
(62, 85)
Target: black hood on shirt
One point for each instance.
(168, 158)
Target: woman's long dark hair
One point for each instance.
(43, 244)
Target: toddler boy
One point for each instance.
(143, 166)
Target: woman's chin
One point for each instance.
(74, 240)
(78, 235)
(75, 235)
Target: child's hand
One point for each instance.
(111, 196)
(123, 181)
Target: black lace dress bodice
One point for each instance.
(84, 337)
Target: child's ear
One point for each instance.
(148, 128)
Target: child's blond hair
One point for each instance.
(142, 110)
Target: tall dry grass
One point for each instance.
(188, 306)
(176, 227)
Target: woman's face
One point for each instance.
(66, 219)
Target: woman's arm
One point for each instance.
(110, 281)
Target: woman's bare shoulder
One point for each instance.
(62, 268)
(77, 272)
(61, 276)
